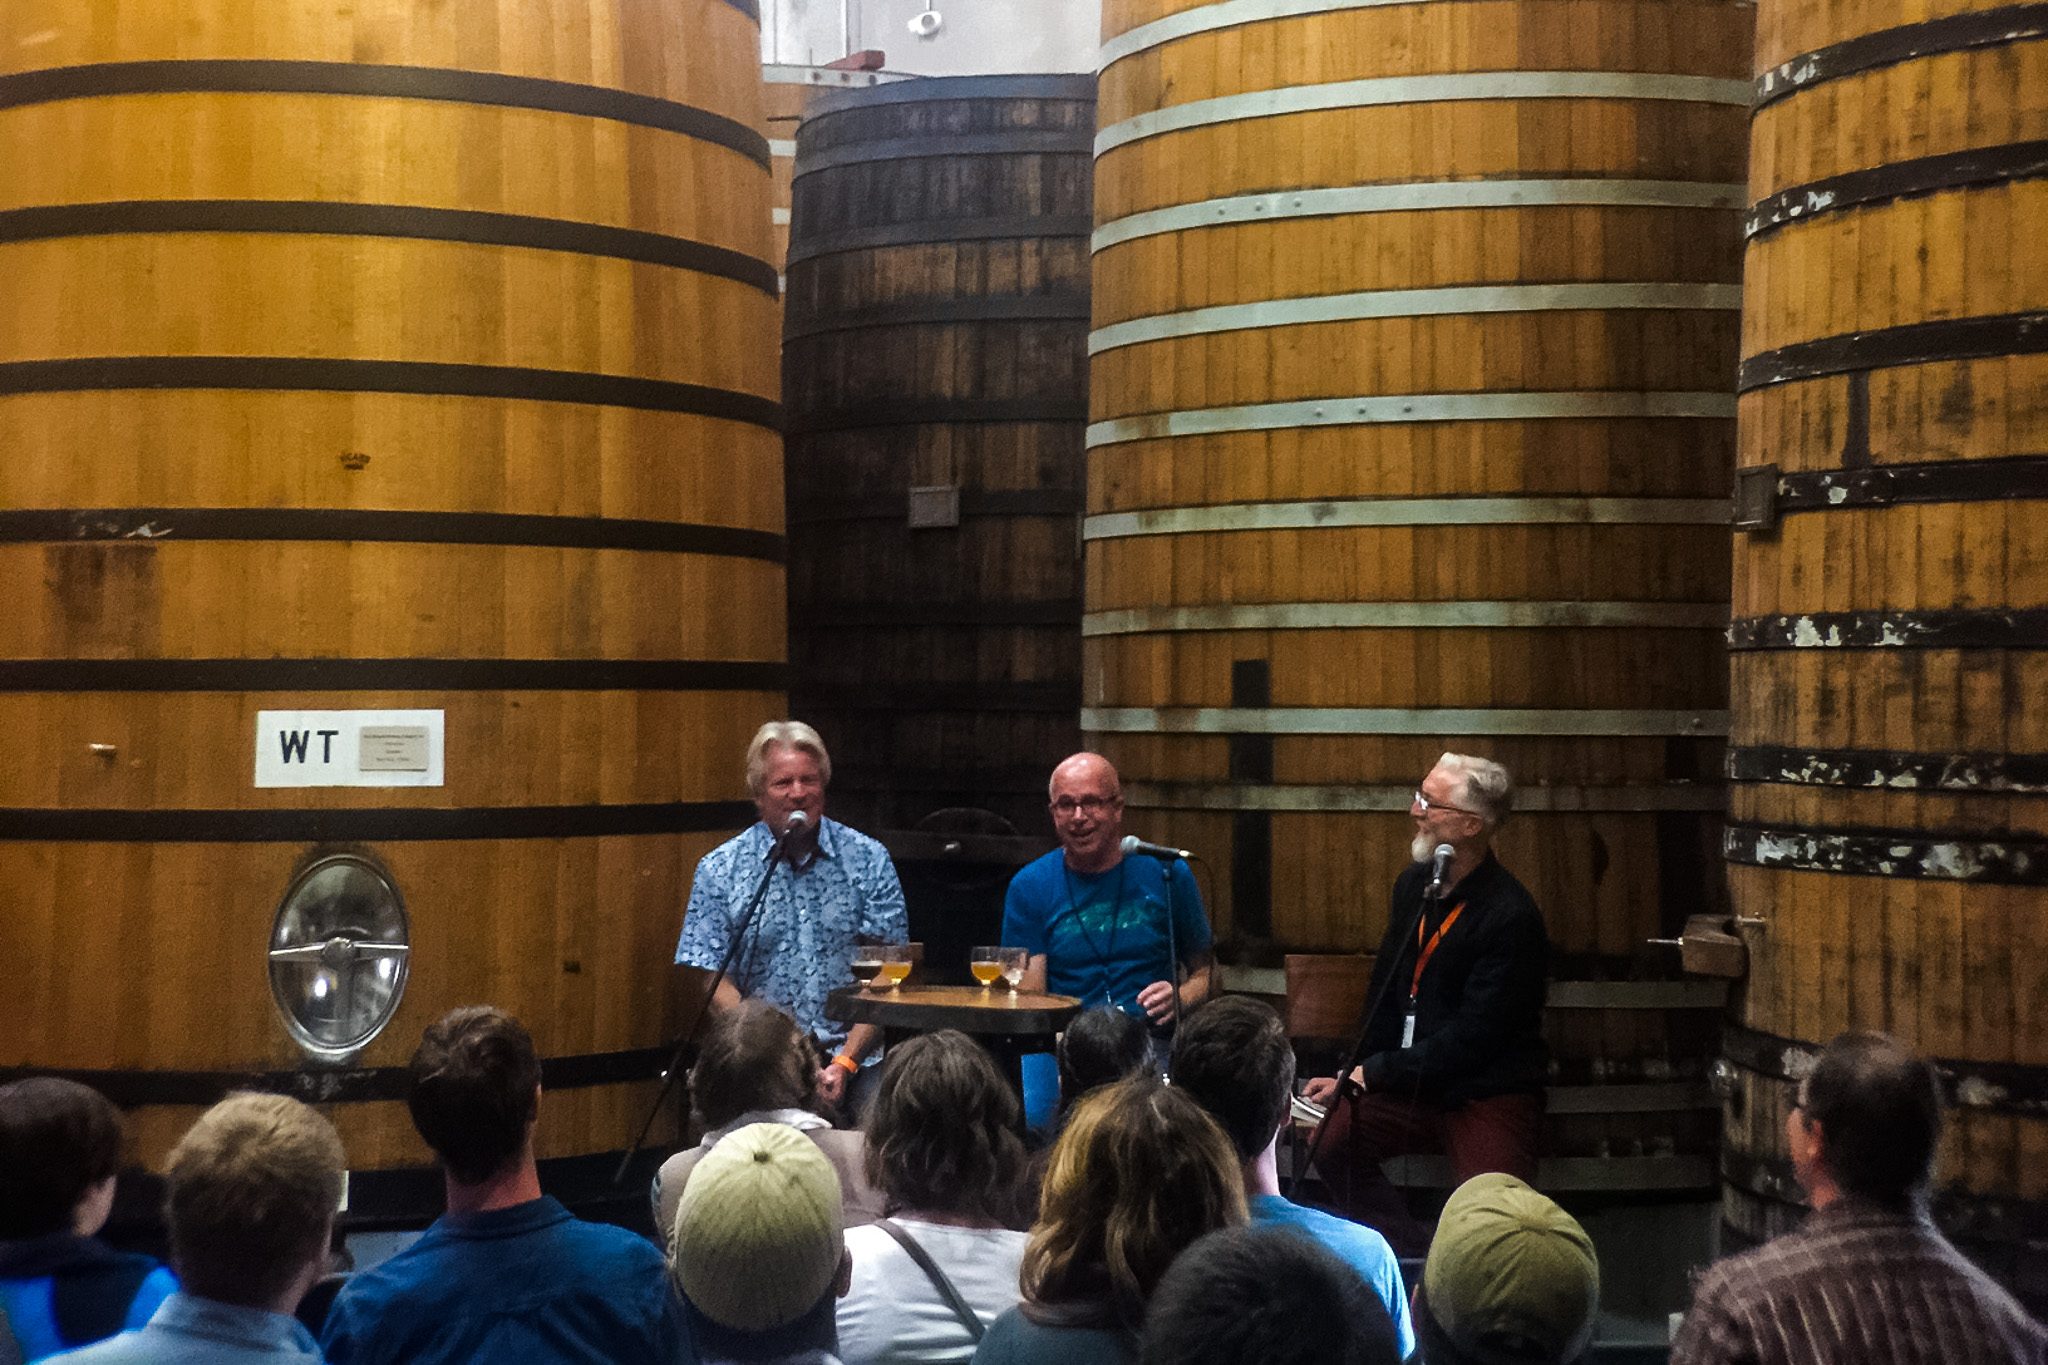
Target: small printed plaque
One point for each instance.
(394, 749)
(934, 506)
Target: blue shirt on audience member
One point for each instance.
(527, 1285)
(1354, 1244)
(1103, 934)
(799, 948)
(189, 1330)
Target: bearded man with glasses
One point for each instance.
(1108, 929)
(1454, 1056)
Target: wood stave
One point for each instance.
(342, 451)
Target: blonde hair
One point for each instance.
(250, 1194)
(789, 734)
(1140, 1171)
(1488, 790)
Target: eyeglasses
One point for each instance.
(1084, 805)
(1425, 805)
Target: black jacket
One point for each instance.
(1479, 1016)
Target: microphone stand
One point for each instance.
(675, 1063)
(1348, 1089)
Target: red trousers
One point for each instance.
(1498, 1134)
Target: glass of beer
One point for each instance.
(987, 966)
(897, 960)
(867, 964)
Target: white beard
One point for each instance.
(1421, 849)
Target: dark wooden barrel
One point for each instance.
(1413, 361)
(377, 357)
(791, 90)
(1888, 832)
(935, 365)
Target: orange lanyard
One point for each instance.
(1423, 955)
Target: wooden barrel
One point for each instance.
(790, 91)
(1414, 348)
(1889, 815)
(366, 359)
(935, 365)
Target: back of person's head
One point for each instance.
(943, 1134)
(1139, 1172)
(1233, 1056)
(752, 1058)
(474, 1091)
(250, 1194)
(1511, 1279)
(1879, 1111)
(758, 1241)
(1100, 1047)
(58, 1139)
(1265, 1296)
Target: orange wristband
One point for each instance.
(846, 1063)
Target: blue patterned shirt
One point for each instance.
(800, 947)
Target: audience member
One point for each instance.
(507, 1274)
(1511, 1279)
(754, 1065)
(1140, 1172)
(1100, 1047)
(758, 1250)
(60, 1145)
(1868, 1277)
(1234, 1058)
(250, 1196)
(944, 1145)
(1263, 1296)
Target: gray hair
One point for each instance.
(1488, 790)
(789, 734)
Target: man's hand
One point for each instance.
(831, 1084)
(1323, 1089)
(1157, 1001)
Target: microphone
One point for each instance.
(1439, 864)
(1132, 844)
(794, 825)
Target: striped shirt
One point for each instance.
(1857, 1285)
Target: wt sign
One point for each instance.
(349, 748)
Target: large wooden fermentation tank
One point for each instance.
(376, 356)
(1888, 836)
(936, 371)
(1412, 388)
(790, 91)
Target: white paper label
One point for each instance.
(349, 748)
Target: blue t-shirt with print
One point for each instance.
(1103, 934)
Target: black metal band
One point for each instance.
(928, 613)
(154, 525)
(385, 220)
(1986, 628)
(392, 824)
(1966, 1217)
(1031, 308)
(2016, 860)
(974, 502)
(384, 376)
(1898, 180)
(933, 412)
(1993, 1087)
(937, 232)
(1919, 343)
(1936, 481)
(238, 77)
(390, 675)
(132, 1089)
(1888, 47)
(939, 89)
(811, 159)
(1891, 770)
(990, 698)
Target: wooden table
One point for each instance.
(1008, 1023)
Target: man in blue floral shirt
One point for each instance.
(836, 889)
